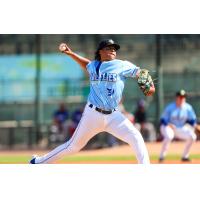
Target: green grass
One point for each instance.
(97, 158)
(18, 159)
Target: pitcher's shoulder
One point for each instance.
(92, 63)
(122, 62)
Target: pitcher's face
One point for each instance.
(108, 53)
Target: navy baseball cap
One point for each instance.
(181, 93)
(108, 42)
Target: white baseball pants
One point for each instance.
(93, 122)
(185, 133)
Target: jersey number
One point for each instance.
(110, 92)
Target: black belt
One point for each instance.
(106, 112)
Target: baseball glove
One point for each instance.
(145, 82)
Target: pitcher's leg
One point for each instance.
(122, 128)
(83, 133)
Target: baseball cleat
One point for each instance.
(32, 161)
(185, 160)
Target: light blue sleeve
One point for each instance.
(129, 69)
(88, 66)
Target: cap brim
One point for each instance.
(117, 47)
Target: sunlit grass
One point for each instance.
(18, 159)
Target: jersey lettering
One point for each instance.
(110, 77)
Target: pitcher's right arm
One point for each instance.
(79, 59)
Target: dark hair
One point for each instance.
(97, 55)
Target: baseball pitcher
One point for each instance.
(107, 77)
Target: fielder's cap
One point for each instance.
(108, 42)
(181, 93)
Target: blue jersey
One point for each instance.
(178, 115)
(61, 116)
(107, 82)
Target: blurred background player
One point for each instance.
(178, 120)
(59, 128)
(146, 128)
(75, 119)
